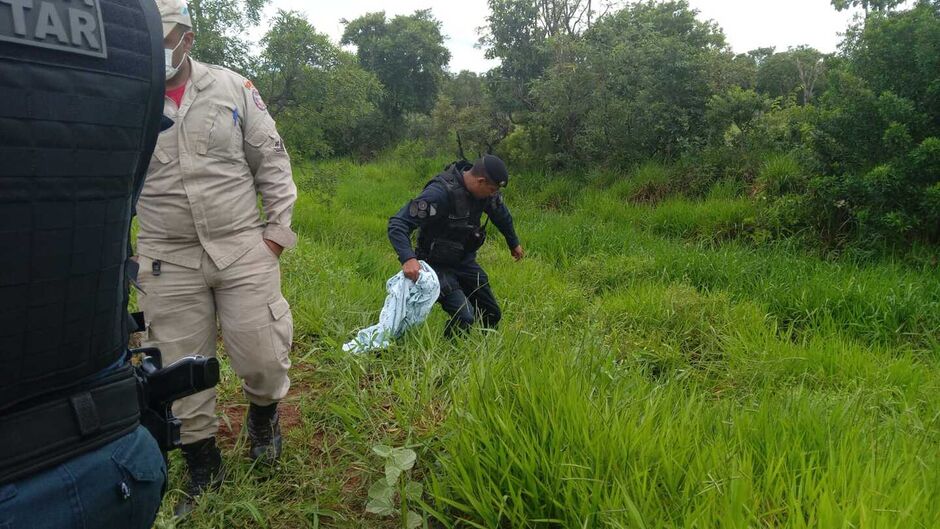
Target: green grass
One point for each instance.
(655, 368)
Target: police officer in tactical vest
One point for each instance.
(81, 86)
(208, 258)
(448, 216)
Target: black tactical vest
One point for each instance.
(81, 95)
(462, 226)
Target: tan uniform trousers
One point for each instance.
(184, 308)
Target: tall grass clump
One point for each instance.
(559, 434)
(780, 174)
(650, 182)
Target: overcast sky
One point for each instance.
(747, 24)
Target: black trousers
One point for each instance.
(467, 297)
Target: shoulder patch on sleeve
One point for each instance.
(256, 96)
(422, 209)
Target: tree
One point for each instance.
(760, 55)
(407, 54)
(809, 73)
(900, 52)
(218, 24)
(635, 86)
(518, 32)
(465, 90)
(317, 92)
(799, 72)
(867, 5)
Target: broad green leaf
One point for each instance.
(404, 458)
(414, 520)
(392, 473)
(380, 506)
(382, 450)
(413, 490)
(382, 490)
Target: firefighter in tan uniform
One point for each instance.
(208, 259)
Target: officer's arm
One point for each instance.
(270, 165)
(413, 215)
(499, 214)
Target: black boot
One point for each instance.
(264, 433)
(204, 462)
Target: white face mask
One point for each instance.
(171, 70)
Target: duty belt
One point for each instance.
(45, 434)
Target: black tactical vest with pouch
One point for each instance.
(449, 241)
(81, 95)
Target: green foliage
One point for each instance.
(826, 144)
(737, 108)
(406, 54)
(644, 358)
(395, 485)
(888, 205)
(781, 174)
(634, 87)
(870, 136)
(584, 88)
(899, 53)
(465, 106)
(867, 5)
(520, 33)
(218, 24)
(799, 72)
(664, 436)
(317, 93)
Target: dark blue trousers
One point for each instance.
(467, 297)
(119, 485)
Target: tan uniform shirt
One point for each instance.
(207, 171)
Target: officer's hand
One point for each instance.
(517, 253)
(411, 268)
(275, 247)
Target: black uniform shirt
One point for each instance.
(434, 205)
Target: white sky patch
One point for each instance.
(747, 24)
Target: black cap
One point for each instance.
(496, 170)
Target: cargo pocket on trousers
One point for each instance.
(143, 474)
(282, 328)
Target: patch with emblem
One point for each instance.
(256, 95)
(249, 85)
(278, 145)
(422, 209)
